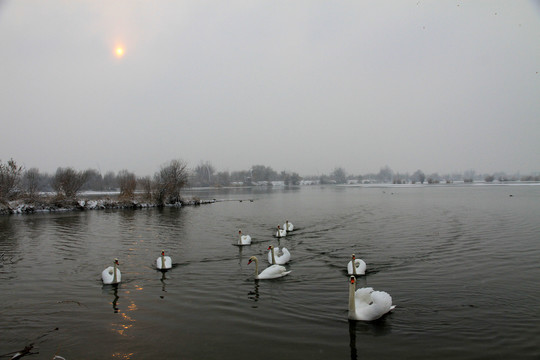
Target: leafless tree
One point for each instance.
(68, 182)
(109, 181)
(128, 184)
(145, 184)
(10, 178)
(223, 178)
(94, 180)
(31, 181)
(204, 174)
(169, 180)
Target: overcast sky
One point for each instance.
(442, 85)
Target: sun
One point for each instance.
(119, 51)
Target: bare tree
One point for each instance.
(204, 174)
(385, 174)
(419, 176)
(339, 175)
(68, 182)
(223, 178)
(263, 173)
(128, 184)
(145, 183)
(31, 181)
(10, 178)
(468, 176)
(169, 180)
(94, 180)
(109, 181)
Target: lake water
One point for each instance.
(462, 264)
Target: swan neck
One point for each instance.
(352, 305)
(114, 274)
(354, 267)
(273, 257)
(256, 267)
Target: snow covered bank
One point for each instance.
(20, 207)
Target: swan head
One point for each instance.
(162, 252)
(352, 280)
(253, 258)
(270, 247)
(116, 261)
(278, 227)
(239, 232)
(353, 257)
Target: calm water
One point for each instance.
(462, 264)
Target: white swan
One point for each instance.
(271, 272)
(278, 259)
(288, 226)
(243, 239)
(163, 262)
(112, 275)
(359, 267)
(366, 304)
(281, 232)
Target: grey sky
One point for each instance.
(302, 86)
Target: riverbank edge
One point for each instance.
(22, 207)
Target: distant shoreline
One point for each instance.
(102, 200)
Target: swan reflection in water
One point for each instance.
(378, 327)
(254, 295)
(112, 289)
(163, 283)
(240, 257)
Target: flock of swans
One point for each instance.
(365, 304)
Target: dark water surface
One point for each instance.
(462, 264)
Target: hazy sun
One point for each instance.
(119, 51)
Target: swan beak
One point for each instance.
(353, 279)
(249, 262)
(269, 248)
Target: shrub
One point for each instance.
(10, 178)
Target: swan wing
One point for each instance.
(107, 275)
(168, 263)
(245, 240)
(360, 267)
(288, 228)
(383, 301)
(371, 305)
(281, 233)
(362, 296)
(284, 258)
(274, 271)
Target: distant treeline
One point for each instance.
(164, 186)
